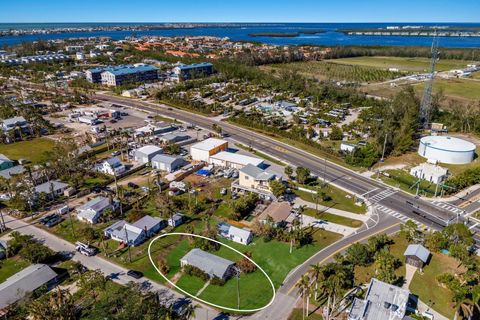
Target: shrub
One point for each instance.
(216, 281)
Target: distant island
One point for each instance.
(284, 34)
(415, 31)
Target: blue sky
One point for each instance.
(240, 11)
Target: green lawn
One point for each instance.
(191, 284)
(429, 291)
(403, 180)
(297, 314)
(10, 266)
(272, 256)
(339, 199)
(401, 63)
(333, 218)
(254, 290)
(32, 150)
(456, 88)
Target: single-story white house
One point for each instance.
(92, 210)
(347, 147)
(238, 235)
(54, 186)
(136, 233)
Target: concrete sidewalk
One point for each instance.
(329, 226)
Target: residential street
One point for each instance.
(117, 273)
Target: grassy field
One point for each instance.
(272, 256)
(297, 315)
(476, 75)
(339, 199)
(456, 88)
(403, 180)
(401, 63)
(333, 218)
(331, 70)
(10, 266)
(429, 291)
(32, 150)
(363, 275)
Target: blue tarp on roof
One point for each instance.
(203, 172)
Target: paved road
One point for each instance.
(375, 191)
(390, 204)
(287, 295)
(93, 263)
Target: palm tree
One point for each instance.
(464, 309)
(315, 271)
(190, 311)
(303, 285)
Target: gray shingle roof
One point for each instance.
(7, 173)
(148, 222)
(418, 251)
(209, 263)
(47, 186)
(27, 280)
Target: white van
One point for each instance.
(63, 210)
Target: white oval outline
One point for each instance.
(197, 298)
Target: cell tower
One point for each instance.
(426, 105)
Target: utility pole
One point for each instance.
(3, 227)
(237, 275)
(71, 221)
(384, 147)
(128, 244)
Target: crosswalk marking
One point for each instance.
(449, 207)
(382, 195)
(476, 224)
(398, 215)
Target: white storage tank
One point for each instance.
(446, 149)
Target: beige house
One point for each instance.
(255, 179)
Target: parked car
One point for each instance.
(45, 219)
(135, 274)
(63, 210)
(115, 153)
(54, 221)
(132, 185)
